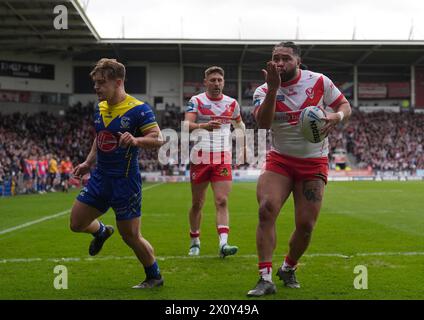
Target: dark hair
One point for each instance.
(289, 44)
(109, 68)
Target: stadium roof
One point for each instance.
(335, 52)
(28, 26)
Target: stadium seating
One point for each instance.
(379, 140)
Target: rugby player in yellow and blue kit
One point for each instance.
(123, 125)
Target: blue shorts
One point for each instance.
(123, 194)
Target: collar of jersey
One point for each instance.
(109, 113)
(293, 81)
(214, 99)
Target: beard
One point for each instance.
(287, 76)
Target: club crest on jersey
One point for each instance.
(125, 122)
(310, 93)
(106, 141)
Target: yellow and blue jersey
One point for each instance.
(130, 115)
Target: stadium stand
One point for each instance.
(381, 141)
(370, 73)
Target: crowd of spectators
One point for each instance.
(383, 141)
(379, 140)
(26, 141)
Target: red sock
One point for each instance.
(194, 234)
(289, 262)
(223, 229)
(265, 270)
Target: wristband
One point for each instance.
(341, 114)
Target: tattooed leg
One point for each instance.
(313, 190)
(308, 199)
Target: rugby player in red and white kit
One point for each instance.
(215, 112)
(293, 165)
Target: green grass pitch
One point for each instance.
(379, 225)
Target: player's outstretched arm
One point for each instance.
(266, 111)
(84, 168)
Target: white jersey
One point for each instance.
(307, 89)
(223, 110)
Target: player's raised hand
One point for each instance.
(271, 75)
(126, 139)
(81, 169)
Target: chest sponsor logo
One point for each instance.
(291, 118)
(281, 97)
(107, 141)
(221, 119)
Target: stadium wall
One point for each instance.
(162, 80)
(62, 82)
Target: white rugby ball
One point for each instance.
(311, 122)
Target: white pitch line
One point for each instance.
(163, 258)
(30, 223)
(56, 215)
(152, 186)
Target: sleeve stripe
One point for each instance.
(148, 126)
(336, 102)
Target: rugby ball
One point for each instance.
(311, 122)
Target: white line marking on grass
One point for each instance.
(56, 215)
(30, 223)
(153, 186)
(163, 258)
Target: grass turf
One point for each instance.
(376, 224)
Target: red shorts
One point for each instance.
(212, 172)
(297, 168)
